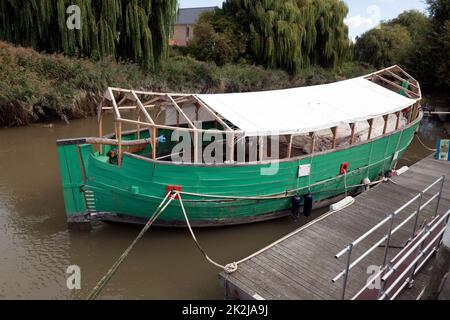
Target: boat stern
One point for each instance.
(71, 156)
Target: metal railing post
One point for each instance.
(419, 204)
(347, 269)
(439, 197)
(386, 252)
(388, 240)
(414, 268)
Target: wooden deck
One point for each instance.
(302, 267)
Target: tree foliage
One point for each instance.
(290, 34)
(383, 46)
(420, 43)
(130, 29)
(218, 38)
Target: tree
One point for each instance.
(439, 43)
(288, 34)
(217, 38)
(382, 46)
(130, 29)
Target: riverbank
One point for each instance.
(37, 87)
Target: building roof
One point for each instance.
(191, 15)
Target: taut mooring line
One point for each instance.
(103, 281)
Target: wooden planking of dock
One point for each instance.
(302, 267)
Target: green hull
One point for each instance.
(93, 187)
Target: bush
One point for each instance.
(38, 87)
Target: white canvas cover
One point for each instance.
(306, 109)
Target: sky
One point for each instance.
(363, 14)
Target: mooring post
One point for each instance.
(441, 269)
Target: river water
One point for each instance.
(36, 247)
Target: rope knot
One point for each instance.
(231, 268)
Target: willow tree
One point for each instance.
(131, 29)
(292, 34)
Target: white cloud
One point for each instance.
(360, 23)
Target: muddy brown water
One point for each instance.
(36, 247)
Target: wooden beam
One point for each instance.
(352, 135)
(397, 86)
(181, 112)
(313, 142)
(119, 138)
(161, 126)
(100, 131)
(386, 119)
(397, 124)
(261, 148)
(138, 125)
(143, 110)
(401, 79)
(216, 117)
(334, 130)
(154, 142)
(196, 147)
(230, 147)
(291, 141)
(115, 142)
(113, 100)
(369, 136)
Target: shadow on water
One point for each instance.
(36, 247)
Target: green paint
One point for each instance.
(138, 187)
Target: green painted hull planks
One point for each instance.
(96, 188)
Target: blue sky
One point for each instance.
(363, 15)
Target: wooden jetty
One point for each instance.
(303, 266)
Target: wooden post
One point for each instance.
(386, 119)
(119, 138)
(370, 129)
(352, 136)
(155, 142)
(261, 148)
(397, 125)
(138, 125)
(313, 142)
(230, 147)
(291, 141)
(100, 130)
(334, 130)
(196, 147)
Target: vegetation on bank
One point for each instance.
(41, 87)
(245, 46)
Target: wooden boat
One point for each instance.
(332, 139)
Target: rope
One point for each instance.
(103, 281)
(233, 267)
(292, 234)
(423, 144)
(229, 268)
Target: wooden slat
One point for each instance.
(302, 266)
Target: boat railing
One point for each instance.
(418, 244)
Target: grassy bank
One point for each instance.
(37, 87)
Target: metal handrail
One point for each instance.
(430, 229)
(386, 238)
